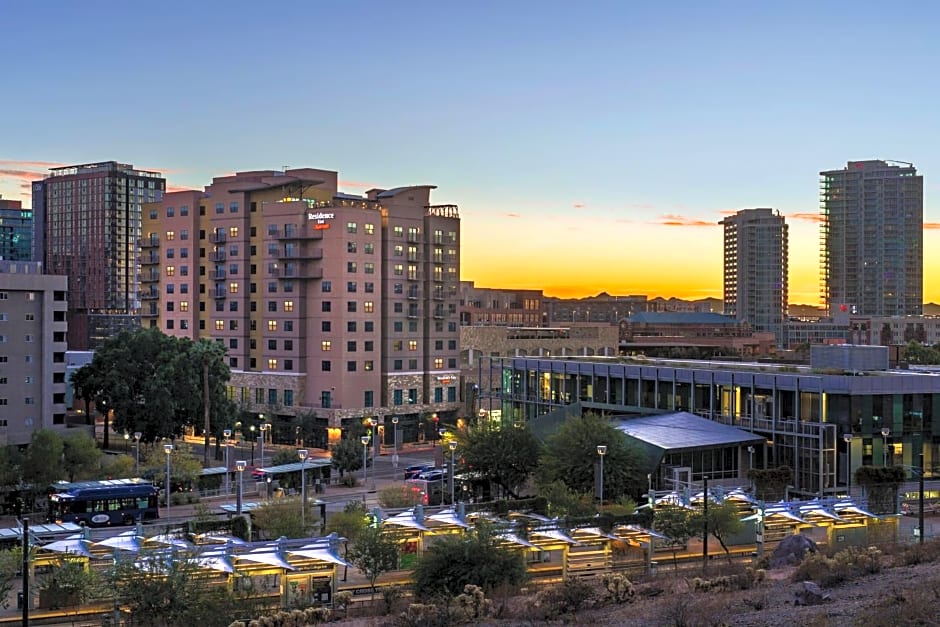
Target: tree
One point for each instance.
(11, 460)
(81, 455)
(475, 558)
(281, 517)
(174, 591)
(347, 455)
(770, 484)
(724, 520)
(505, 457)
(42, 465)
(11, 561)
(185, 468)
(563, 501)
(881, 485)
(570, 455)
(86, 385)
(375, 552)
(678, 525)
(886, 336)
(71, 584)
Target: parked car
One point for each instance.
(432, 475)
(412, 472)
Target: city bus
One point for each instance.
(104, 503)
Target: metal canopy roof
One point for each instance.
(684, 431)
(310, 464)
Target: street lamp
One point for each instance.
(127, 437)
(302, 454)
(263, 428)
(137, 435)
(168, 448)
(395, 444)
(441, 433)
(240, 466)
(252, 429)
(227, 434)
(848, 462)
(365, 473)
(602, 450)
(750, 465)
(376, 443)
(453, 447)
(885, 432)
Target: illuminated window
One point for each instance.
(350, 266)
(272, 364)
(398, 231)
(272, 325)
(220, 325)
(288, 306)
(326, 345)
(368, 306)
(412, 234)
(398, 269)
(399, 250)
(438, 362)
(233, 288)
(412, 345)
(351, 227)
(184, 305)
(367, 365)
(369, 228)
(396, 345)
(368, 268)
(233, 231)
(171, 270)
(369, 248)
(170, 236)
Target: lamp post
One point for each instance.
(601, 451)
(920, 500)
(750, 464)
(252, 429)
(302, 454)
(395, 443)
(168, 448)
(365, 473)
(705, 525)
(263, 428)
(441, 433)
(137, 435)
(240, 466)
(453, 447)
(376, 443)
(127, 437)
(885, 432)
(848, 462)
(227, 434)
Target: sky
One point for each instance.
(590, 146)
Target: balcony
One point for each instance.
(219, 294)
(218, 237)
(151, 295)
(151, 278)
(217, 255)
(219, 274)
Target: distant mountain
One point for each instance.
(805, 311)
(931, 309)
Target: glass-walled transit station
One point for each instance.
(805, 413)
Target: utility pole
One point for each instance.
(705, 526)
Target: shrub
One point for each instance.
(473, 603)
(566, 598)
(619, 588)
(846, 565)
(423, 615)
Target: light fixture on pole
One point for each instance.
(750, 464)
(227, 434)
(848, 462)
(365, 473)
(376, 443)
(262, 428)
(395, 444)
(252, 429)
(602, 451)
(240, 466)
(302, 454)
(452, 445)
(168, 448)
(127, 437)
(137, 436)
(885, 432)
(441, 433)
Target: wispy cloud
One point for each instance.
(642, 205)
(579, 205)
(932, 225)
(359, 185)
(176, 188)
(512, 215)
(30, 164)
(806, 217)
(21, 174)
(671, 219)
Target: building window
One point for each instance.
(351, 227)
(288, 306)
(288, 345)
(233, 231)
(368, 248)
(233, 287)
(272, 325)
(272, 397)
(288, 394)
(351, 346)
(396, 397)
(350, 366)
(412, 345)
(325, 365)
(171, 270)
(350, 326)
(368, 268)
(350, 247)
(396, 364)
(272, 306)
(368, 398)
(368, 306)
(288, 326)
(369, 346)
(220, 325)
(369, 228)
(170, 236)
(272, 364)
(233, 207)
(326, 286)
(326, 345)
(398, 231)
(367, 365)
(351, 306)
(351, 286)
(350, 266)
(272, 345)
(326, 326)
(438, 363)
(398, 269)
(369, 326)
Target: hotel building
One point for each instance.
(332, 307)
(16, 231)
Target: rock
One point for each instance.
(808, 593)
(791, 551)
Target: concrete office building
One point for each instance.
(332, 306)
(756, 271)
(872, 239)
(16, 231)
(87, 227)
(32, 351)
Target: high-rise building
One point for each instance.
(87, 226)
(755, 270)
(16, 231)
(872, 238)
(33, 329)
(333, 307)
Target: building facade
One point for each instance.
(803, 412)
(872, 239)
(16, 231)
(332, 306)
(756, 270)
(87, 227)
(483, 306)
(33, 330)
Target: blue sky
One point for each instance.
(590, 146)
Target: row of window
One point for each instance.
(5, 317)
(27, 380)
(28, 400)
(29, 337)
